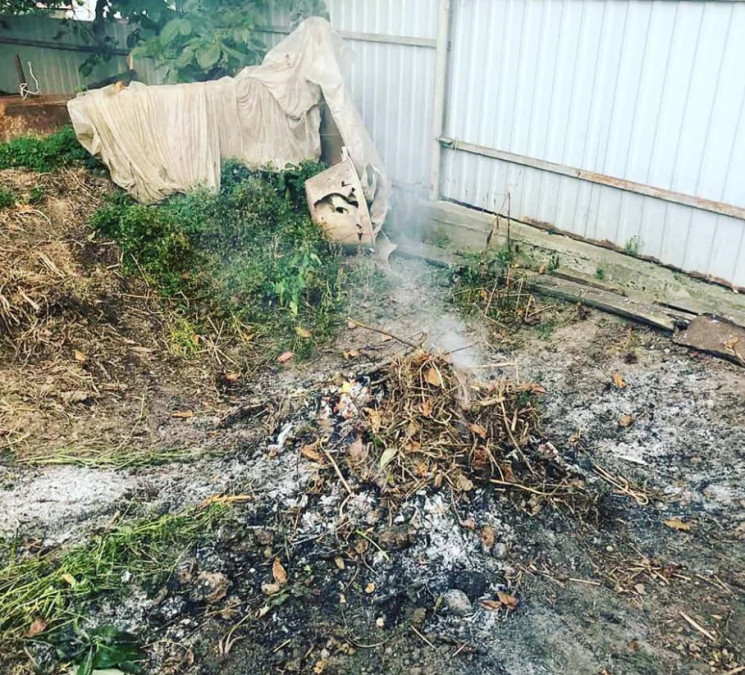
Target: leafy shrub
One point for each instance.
(249, 255)
(7, 198)
(49, 153)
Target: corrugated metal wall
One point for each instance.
(646, 91)
(55, 62)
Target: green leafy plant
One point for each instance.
(632, 246)
(102, 648)
(194, 40)
(249, 257)
(600, 273)
(47, 153)
(7, 198)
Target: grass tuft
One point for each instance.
(55, 588)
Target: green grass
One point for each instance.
(248, 258)
(57, 588)
(49, 153)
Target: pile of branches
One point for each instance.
(435, 426)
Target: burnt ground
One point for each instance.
(650, 580)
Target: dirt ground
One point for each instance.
(486, 580)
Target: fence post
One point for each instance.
(441, 77)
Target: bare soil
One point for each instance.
(651, 582)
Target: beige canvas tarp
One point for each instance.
(157, 140)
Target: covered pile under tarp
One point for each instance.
(157, 140)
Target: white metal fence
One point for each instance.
(614, 120)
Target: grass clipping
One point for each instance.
(435, 426)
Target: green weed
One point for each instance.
(58, 150)
(56, 588)
(36, 194)
(600, 273)
(489, 284)
(7, 198)
(249, 256)
(632, 246)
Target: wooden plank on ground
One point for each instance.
(714, 335)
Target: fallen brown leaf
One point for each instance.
(370, 588)
(488, 536)
(278, 572)
(339, 562)
(79, 356)
(509, 601)
(626, 421)
(433, 377)
(37, 627)
(284, 357)
(618, 381)
(310, 452)
(232, 377)
(677, 524)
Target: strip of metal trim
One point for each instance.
(365, 37)
(700, 203)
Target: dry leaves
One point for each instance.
(37, 627)
(370, 588)
(433, 377)
(677, 524)
(284, 357)
(626, 421)
(618, 381)
(183, 414)
(310, 451)
(509, 601)
(303, 333)
(488, 537)
(79, 356)
(278, 572)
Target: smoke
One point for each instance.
(449, 335)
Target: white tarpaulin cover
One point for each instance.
(157, 140)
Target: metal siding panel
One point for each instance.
(704, 82)
(644, 91)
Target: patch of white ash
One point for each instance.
(52, 502)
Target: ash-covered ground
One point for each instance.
(482, 579)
